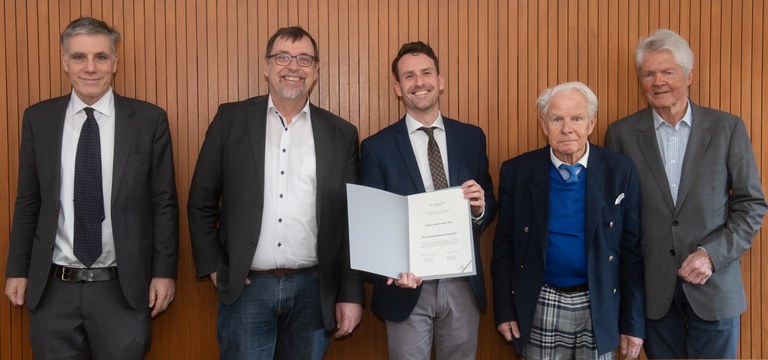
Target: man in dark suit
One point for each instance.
(95, 229)
(567, 270)
(702, 205)
(399, 159)
(267, 214)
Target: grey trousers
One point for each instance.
(446, 313)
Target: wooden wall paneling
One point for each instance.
(496, 56)
(7, 343)
(761, 13)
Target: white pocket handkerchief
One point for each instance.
(618, 199)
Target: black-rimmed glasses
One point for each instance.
(285, 59)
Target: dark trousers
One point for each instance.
(681, 334)
(87, 320)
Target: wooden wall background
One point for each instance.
(497, 55)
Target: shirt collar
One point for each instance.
(104, 106)
(271, 108)
(557, 162)
(687, 118)
(414, 125)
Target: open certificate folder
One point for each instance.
(428, 234)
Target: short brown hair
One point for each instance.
(293, 33)
(416, 47)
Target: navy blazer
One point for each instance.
(614, 263)
(388, 163)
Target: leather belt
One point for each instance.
(281, 271)
(70, 274)
(570, 289)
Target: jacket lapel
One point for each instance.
(595, 188)
(540, 195)
(257, 131)
(54, 144)
(694, 153)
(125, 130)
(453, 137)
(409, 158)
(323, 134)
(649, 147)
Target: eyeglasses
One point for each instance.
(285, 59)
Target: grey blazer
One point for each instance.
(720, 207)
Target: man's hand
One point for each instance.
(215, 284)
(508, 330)
(476, 196)
(161, 292)
(347, 317)
(16, 290)
(407, 280)
(630, 346)
(697, 268)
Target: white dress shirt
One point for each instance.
(63, 253)
(420, 141)
(288, 237)
(563, 172)
(673, 141)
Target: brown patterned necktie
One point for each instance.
(435, 160)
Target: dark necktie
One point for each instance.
(435, 160)
(574, 178)
(89, 198)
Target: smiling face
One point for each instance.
(419, 87)
(90, 62)
(567, 125)
(665, 85)
(291, 82)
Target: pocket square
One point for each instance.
(618, 199)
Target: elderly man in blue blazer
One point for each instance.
(567, 270)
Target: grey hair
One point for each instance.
(543, 101)
(669, 40)
(89, 26)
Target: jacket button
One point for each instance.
(675, 223)
(525, 229)
(610, 224)
(614, 291)
(672, 252)
(610, 258)
(522, 267)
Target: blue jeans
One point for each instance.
(275, 317)
(681, 334)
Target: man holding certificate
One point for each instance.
(423, 152)
(567, 270)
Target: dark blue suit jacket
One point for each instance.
(614, 263)
(388, 163)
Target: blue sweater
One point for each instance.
(566, 263)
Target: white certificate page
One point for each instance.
(428, 234)
(440, 233)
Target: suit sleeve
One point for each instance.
(503, 251)
(485, 181)
(203, 204)
(28, 199)
(351, 286)
(165, 205)
(746, 204)
(632, 308)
